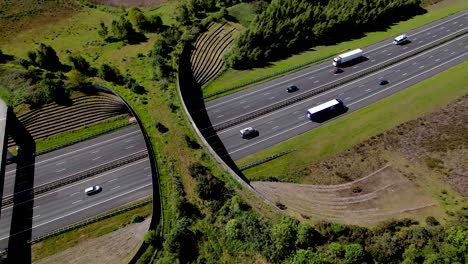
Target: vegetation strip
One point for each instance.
(270, 75)
(334, 84)
(272, 157)
(81, 139)
(7, 200)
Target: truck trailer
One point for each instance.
(348, 56)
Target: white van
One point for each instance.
(400, 39)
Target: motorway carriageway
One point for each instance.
(238, 104)
(291, 121)
(68, 204)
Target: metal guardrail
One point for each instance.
(7, 200)
(334, 84)
(258, 162)
(271, 75)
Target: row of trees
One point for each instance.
(290, 26)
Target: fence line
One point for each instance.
(272, 157)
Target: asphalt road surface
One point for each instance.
(79, 157)
(246, 101)
(69, 204)
(291, 121)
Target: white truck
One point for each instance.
(348, 56)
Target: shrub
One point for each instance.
(192, 143)
(137, 219)
(110, 73)
(354, 253)
(151, 237)
(430, 220)
(161, 128)
(80, 64)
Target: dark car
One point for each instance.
(292, 88)
(337, 70)
(383, 82)
(249, 132)
(92, 190)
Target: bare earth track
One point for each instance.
(399, 173)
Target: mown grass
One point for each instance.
(351, 129)
(243, 12)
(232, 77)
(52, 245)
(71, 135)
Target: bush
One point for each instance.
(151, 237)
(137, 219)
(80, 64)
(161, 128)
(430, 220)
(354, 253)
(110, 73)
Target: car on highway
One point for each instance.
(292, 88)
(400, 39)
(92, 190)
(337, 70)
(383, 82)
(249, 132)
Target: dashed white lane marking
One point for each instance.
(383, 51)
(372, 60)
(266, 93)
(316, 81)
(340, 94)
(275, 127)
(115, 188)
(59, 163)
(310, 78)
(355, 67)
(405, 47)
(129, 147)
(367, 90)
(271, 98)
(404, 74)
(147, 168)
(347, 98)
(96, 151)
(128, 140)
(241, 102)
(219, 116)
(419, 41)
(35, 207)
(452, 53)
(437, 60)
(61, 170)
(35, 216)
(113, 180)
(74, 193)
(420, 67)
(434, 36)
(448, 30)
(77, 201)
(389, 54)
(397, 70)
(245, 107)
(96, 158)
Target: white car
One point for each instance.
(92, 190)
(248, 132)
(400, 39)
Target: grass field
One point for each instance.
(243, 12)
(60, 242)
(231, 77)
(351, 129)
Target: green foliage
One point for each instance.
(304, 256)
(43, 57)
(103, 30)
(291, 25)
(120, 30)
(307, 236)
(159, 56)
(51, 87)
(208, 186)
(335, 249)
(284, 236)
(137, 219)
(151, 237)
(179, 241)
(143, 23)
(110, 73)
(82, 65)
(354, 253)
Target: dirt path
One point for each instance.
(114, 247)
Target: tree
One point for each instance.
(80, 64)
(110, 73)
(354, 253)
(151, 237)
(45, 57)
(307, 236)
(103, 31)
(283, 236)
(304, 256)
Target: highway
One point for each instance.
(268, 93)
(291, 121)
(79, 157)
(69, 204)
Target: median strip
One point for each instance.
(8, 200)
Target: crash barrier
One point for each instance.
(272, 75)
(272, 157)
(8, 200)
(334, 84)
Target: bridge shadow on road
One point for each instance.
(19, 248)
(192, 95)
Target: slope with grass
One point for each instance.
(207, 54)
